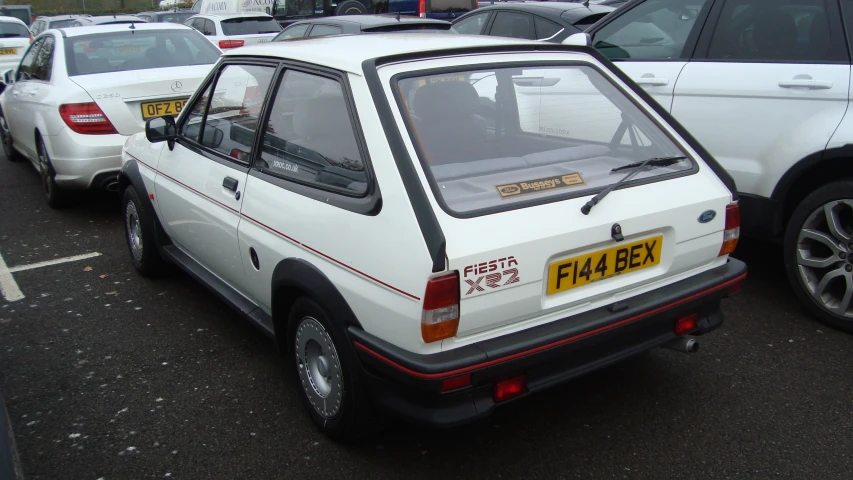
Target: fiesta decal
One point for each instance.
(492, 274)
(539, 185)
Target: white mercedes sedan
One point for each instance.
(79, 93)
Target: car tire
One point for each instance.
(55, 196)
(6, 137)
(325, 369)
(139, 233)
(351, 7)
(818, 250)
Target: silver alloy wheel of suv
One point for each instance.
(825, 256)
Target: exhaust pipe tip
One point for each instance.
(683, 345)
(112, 187)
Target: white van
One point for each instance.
(233, 6)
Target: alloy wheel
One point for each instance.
(825, 256)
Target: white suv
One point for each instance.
(764, 85)
(411, 242)
(233, 30)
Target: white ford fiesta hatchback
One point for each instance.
(79, 93)
(397, 212)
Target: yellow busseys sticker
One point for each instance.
(539, 185)
(592, 267)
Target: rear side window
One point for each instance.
(13, 30)
(472, 25)
(776, 30)
(450, 6)
(650, 31)
(324, 30)
(557, 132)
(44, 60)
(249, 26)
(310, 137)
(176, 17)
(545, 28)
(125, 51)
(515, 25)
(295, 31)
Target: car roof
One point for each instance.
(61, 17)
(370, 21)
(12, 20)
(347, 52)
(572, 10)
(226, 16)
(121, 27)
(110, 18)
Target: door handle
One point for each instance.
(230, 183)
(806, 83)
(652, 81)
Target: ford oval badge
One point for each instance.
(707, 216)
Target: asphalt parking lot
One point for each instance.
(109, 375)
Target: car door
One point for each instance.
(652, 41)
(202, 180)
(34, 99)
(770, 81)
(19, 119)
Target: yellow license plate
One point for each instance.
(593, 267)
(159, 109)
(8, 51)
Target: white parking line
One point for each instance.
(56, 261)
(8, 286)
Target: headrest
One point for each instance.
(445, 100)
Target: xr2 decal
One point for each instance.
(497, 274)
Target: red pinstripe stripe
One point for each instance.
(291, 239)
(548, 346)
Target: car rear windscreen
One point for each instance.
(250, 26)
(22, 14)
(450, 6)
(13, 30)
(61, 23)
(137, 50)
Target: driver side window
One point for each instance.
(653, 30)
(25, 71)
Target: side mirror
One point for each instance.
(580, 39)
(8, 77)
(161, 129)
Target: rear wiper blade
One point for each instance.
(640, 166)
(653, 162)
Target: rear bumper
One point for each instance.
(409, 385)
(85, 161)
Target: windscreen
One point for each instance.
(497, 137)
(22, 14)
(13, 30)
(250, 26)
(174, 17)
(137, 50)
(61, 23)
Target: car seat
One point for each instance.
(446, 125)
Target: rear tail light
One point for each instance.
(510, 388)
(86, 118)
(686, 324)
(231, 43)
(422, 8)
(732, 232)
(440, 317)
